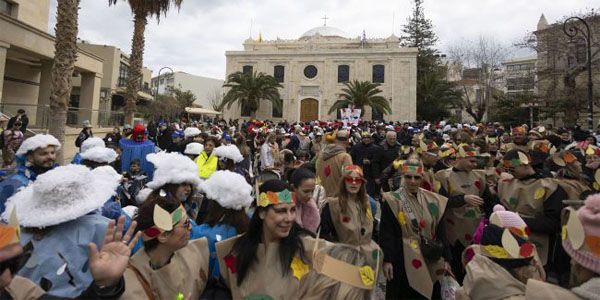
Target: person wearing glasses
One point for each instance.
(412, 236)
(348, 218)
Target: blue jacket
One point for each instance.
(66, 243)
(11, 185)
(217, 233)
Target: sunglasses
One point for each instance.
(353, 180)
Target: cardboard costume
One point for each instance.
(462, 221)
(526, 197)
(428, 209)
(574, 188)
(186, 274)
(265, 278)
(354, 227)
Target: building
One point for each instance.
(519, 76)
(26, 58)
(207, 90)
(313, 68)
(562, 72)
(114, 82)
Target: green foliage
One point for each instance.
(360, 94)
(435, 96)
(184, 99)
(508, 109)
(150, 8)
(172, 104)
(247, 90)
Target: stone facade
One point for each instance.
(312, 70)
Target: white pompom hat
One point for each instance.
(38, 141)
(100, 155)
(229, 189)
(229, 151)
(92, 142)
(193, 149)
(63, 194)
(191, 132)
(172, 168)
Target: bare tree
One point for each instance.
(477, 61)
(561, 67)
(215, 96)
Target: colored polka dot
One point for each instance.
(416, 263)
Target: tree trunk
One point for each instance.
(136, 61)
(62, 70)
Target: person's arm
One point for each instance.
(549, 222)
(453, 201)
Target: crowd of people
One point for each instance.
(305, 210)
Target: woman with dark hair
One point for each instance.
(303, 182)
(569, 174)
(348, 218)
(273, 255)
(227, 194)
(168, 265)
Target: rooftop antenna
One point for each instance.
(325, 19)
(393, 22)
(251, 21)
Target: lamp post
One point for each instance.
(572, 30)
(158, 78)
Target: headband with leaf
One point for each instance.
(521, 159)
(265, 199)
(10, 233)
(163, 221)
(574, 234)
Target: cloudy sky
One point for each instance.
(195, 39)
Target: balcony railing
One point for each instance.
(39, 115)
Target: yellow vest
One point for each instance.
(206, 164)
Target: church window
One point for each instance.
(378, 73)
(278, 73)
(310, 71)
(247, 69)
(343, 73)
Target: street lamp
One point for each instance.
(158, 78)
(572, 30)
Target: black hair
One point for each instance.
(145, 215)
(299, 175)
(135, 161)
(246, 246)
(217, 214)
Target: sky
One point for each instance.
(195, 38)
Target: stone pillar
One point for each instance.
(3, 47)
(43, 109)
(89, 99)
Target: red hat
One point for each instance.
(139, 133)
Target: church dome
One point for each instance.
(326, 31)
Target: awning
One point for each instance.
(201, 111)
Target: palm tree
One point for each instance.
(67, 13)
(360, 94)
(247, 89)
(141, 9)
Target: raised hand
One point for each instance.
(108, 265)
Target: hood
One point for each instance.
(332, 150)
(486, 279)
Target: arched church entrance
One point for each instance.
(309, 110)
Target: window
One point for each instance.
(522, 83)
(276, 113)
(278, 73)
(378, 73)
(343, 73)
(6, 7)
(247, 69)
(123, 74)
(310, 71)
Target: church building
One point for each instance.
(313, 68)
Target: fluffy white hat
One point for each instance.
(191, 132)
(63, 194)
(172, 168)
(447, 128)
(229, 189)
(92, 142)
(229, 151)
(100, 155)
(38, 141)
(193, 149)
(143, 195)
